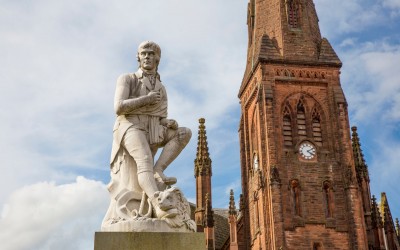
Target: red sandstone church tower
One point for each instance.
(300, 188)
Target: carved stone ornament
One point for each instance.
(131, 218)
(275, 175)
(142, 199)
(350, 178)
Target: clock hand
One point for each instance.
(311, 151)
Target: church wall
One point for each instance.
(311, 236)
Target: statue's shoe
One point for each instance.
(159, 176)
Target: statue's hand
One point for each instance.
(169, 123)
(154, 97)
(172, 124)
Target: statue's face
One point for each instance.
(147, 59)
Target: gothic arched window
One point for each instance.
(317, 246)
(295, 191)
(254, 136)
(256, 166)
(287, 128)
(328, 197)
(293, 13)
(316, 127)
(301, 120)
(254, 144)
(256, 213)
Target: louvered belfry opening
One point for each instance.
(293, 14)
(301, 121)
(316, 128)
(287, 128)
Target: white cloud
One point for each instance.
(372, 88)
(61, 61)
(370, 78)
(49, 216)
(392, 3)
(348, 42)
(343, 16)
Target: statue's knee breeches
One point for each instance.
(184, 135)
(135, 142)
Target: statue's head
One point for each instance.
(148, 55)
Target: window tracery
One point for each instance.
(295, 190)
(301, 120)
(328, 196)
(316, 127)
(293, 13)
(256, 213)
(287, 128)
(317, 246)
(254, 139)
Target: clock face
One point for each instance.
(307, 151)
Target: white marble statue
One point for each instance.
(141, 197)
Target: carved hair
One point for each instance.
(152, 45)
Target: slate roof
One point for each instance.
(221, 225)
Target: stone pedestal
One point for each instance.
(148, 241)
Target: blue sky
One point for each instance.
(59, 63)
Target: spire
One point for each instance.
(209, 214)
(202, 173)
(232, 207)
(386, 214)
(209, 224)
(285, 32)
(358, 155)
(361, 166)
(383, 207)
(202, 162)
(375, 214)
(388, 224)
(232, 220)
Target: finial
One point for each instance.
(275, 175)
(241, 203)
(209, 214)
(202, 162)
(374, 215)
(232, 207)
(361, 166)
(397, 227)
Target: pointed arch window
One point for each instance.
(316, 127)
(254, 136)
(256, 213)
(317, 246)
(295, 192)
(301, 120)
(254, 146)
(328, 197)
(293, 13)
(256, 166)
(287, 128)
